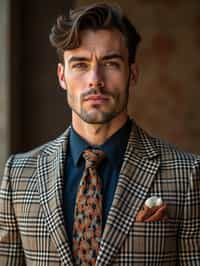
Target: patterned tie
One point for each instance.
(88, 211)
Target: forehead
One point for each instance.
(99, 43)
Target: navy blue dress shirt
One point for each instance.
(114, 149)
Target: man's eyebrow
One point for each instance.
(113, 56)
(105, 57)
(77, 59)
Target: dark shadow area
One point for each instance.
(38, 105)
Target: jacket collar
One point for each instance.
(139, 139)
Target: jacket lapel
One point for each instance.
(139, 168)
(50, 186)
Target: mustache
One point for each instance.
(93, 91)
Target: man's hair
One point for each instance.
(65, 34)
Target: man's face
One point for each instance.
(97, 76)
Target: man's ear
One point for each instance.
(61, 76)
(134, 75)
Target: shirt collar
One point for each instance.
(114, 147)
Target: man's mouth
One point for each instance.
(97, 98)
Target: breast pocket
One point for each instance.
(150, 243)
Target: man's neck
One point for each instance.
(97, 134)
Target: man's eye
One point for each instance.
(80, 66)
(112, 64)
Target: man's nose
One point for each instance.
(96, 78)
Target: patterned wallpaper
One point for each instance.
(166, 100)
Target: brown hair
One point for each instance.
(65, 34)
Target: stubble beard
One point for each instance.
(101, 117)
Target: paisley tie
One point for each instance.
(87, 228)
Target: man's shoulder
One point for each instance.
(168, 153)
(30, 157)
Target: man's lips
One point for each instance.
(96, 98)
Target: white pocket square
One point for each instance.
(153, 210)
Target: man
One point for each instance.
(39, 192)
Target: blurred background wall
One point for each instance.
(4, 81)
(165, 102)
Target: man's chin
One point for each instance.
(95, 121)
(92, 118)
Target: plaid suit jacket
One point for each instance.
(32, 230)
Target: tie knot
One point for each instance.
(93, 157)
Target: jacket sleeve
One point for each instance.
(189, 231)
(11, 252)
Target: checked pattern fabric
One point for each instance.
(31, 217)
(87, 229)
